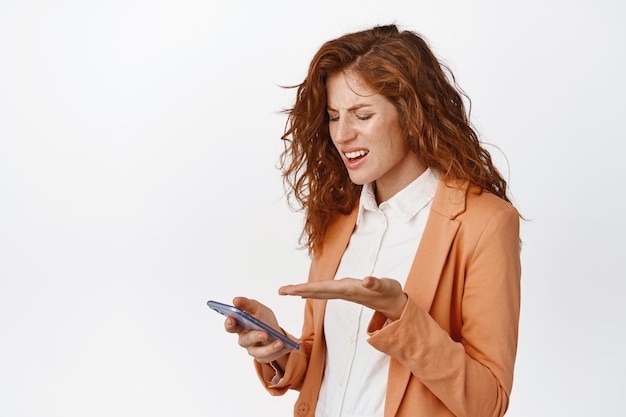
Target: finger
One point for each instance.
(231, 326)
(323, 289)
(371, 283)
(306, 291)
(379, 285)
(252, 338)
(382, 285)
(246, 304)
(292, 289)
(266, 352)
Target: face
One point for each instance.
(365, 129)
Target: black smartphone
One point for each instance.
(252, 323)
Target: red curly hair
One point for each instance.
(400, 66)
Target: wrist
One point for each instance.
(397, 312)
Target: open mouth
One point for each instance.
(356, 155)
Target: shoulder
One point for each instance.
(483, 204)
(474, 210)
(461, 200)
(489, 225)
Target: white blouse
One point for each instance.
(382, 245)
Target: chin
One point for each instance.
(359, 180)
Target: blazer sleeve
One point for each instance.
(297, 362)
(472, 376)
(312, 351)
(297, 368)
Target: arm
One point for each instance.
(270, 357)
(294, 364)
(311, 346)
(471, 376)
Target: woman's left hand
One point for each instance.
(381, 294)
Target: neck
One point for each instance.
(384, 189)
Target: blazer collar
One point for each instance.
(448, 203)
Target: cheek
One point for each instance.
(395, 153)
(395, 145)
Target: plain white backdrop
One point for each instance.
(138, 150)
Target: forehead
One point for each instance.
(349, 87)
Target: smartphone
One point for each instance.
(252, 323)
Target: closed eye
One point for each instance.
(362, 117)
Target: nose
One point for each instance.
(342, 131)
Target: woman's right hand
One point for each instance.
(256, 341)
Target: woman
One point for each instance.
(412, 300)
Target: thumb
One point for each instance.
(372, 283)
(246, 304)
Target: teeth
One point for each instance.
(356, 154)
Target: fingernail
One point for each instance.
(277, 345)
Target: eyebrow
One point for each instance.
(353, 108)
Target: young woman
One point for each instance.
(413, 295)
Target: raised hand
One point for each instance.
(381, 294)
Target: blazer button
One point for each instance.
(303, 409)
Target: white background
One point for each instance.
(138, 150)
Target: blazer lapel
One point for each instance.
(425, 272)
(335, 243)
(326, 263)
(441, 228)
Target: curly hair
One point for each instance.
(400, 66)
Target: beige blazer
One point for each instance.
(453, 350)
